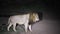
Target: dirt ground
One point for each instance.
(43, 27)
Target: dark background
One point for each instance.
(11, 7)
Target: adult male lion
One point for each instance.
(25, 19)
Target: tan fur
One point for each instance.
(31, 18)
(23, 19)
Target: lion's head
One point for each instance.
(34, 17)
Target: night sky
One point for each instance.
(11, 7)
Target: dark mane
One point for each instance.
(31, 20)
